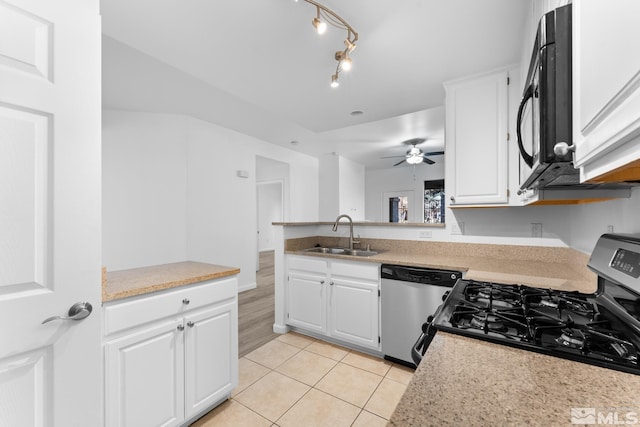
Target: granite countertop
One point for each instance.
(464, 381)
(138, 281)
(542, 266)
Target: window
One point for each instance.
(434, 201)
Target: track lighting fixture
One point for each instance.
(334, 81)
(325, 16)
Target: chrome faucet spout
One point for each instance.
(335, 228)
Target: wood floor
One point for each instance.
(256, 312)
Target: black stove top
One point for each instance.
(602, 328)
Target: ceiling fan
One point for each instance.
(415, 155)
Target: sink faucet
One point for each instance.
(335, 228)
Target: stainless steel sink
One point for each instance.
(342, 251)
(338, 251)
(359, 252)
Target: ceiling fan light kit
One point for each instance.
(325, 16)
(415, 155)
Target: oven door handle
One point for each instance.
(416, 350)
(528, 94)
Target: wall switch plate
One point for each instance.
(609, 228)
(425, 235)
(536, 229)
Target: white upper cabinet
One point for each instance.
(476, 140)
(606, 85)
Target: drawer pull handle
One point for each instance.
(186, 301)
(190, 324)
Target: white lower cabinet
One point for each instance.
(176, 365)
(339, 299)
(354, 312)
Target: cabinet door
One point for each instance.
(306, 301)
(354, 312)
(145, 377)
(211, 356)
(476, 140)
(606, 86)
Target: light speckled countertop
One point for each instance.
(138, 281)
(554, 267)
(464, 381)
(469, 382)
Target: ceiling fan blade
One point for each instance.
(400, 162)
(427, 160)
(392, 157)
(433, 153)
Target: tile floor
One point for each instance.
(298, 381)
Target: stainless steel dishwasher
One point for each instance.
(409, 296)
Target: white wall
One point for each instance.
(144, 182)
(589, 221)
(397, 179)
(269, 211)
(351, 189)
(171, 191)
(329, 207)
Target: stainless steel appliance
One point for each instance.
(602, 328)
(409, 295)
(544, 116)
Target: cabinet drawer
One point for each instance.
(305, 263)
(356, 270)
(121, 315)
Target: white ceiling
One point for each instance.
(258, 67)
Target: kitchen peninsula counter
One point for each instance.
(139, 281)
(463, 381)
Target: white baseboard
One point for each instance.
(247, 287)
(280, 329)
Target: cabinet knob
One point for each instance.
(181, 327)
(562, 149)
(186, 301)
(322, 282)
(190, 324)
(453, 199)
(331, 283)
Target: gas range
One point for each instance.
(602, 328)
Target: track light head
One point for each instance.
(334, 81)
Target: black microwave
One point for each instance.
(544, 121)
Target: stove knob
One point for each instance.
(425, 326)
(453, 276)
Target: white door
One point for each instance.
(50, 374)
(307, 303)
(145, 377)
(354, 312)
(211, 354)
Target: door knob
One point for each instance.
(78, 311)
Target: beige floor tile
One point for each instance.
(328, 350)
(272, 354)
(400, 373)
(386, 398)
(231, 414)
(272, 395)
(295, 339)
(350, 383)
(373, 364)
(318, 409)
(248, 373)
(307, 367)
(367, 419)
